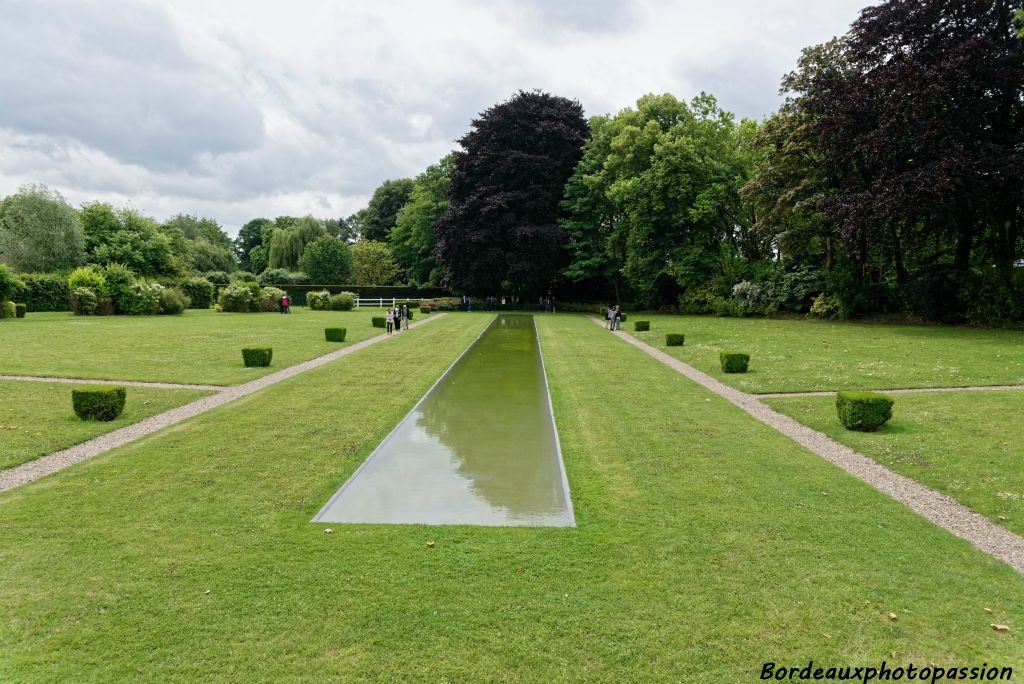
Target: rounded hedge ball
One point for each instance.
(335, 334)
(100, 402)
(257, 357)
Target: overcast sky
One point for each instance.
(239, 108)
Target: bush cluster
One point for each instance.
(218, 277)
(20, 310)
(173, 301)
(282, 276)
(101, 402)
(863, 411)
(240, 298)
(343, 301)
(674, 339)
(140, 299)
(826, 306)
(270, 298)
(424, 309)
(88, 277)
(335, 334)
(318, 300)
(8, 309)
(642, 326)
(257, 357)
(200, 292)
(734, 362)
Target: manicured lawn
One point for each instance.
(36, 418)
(806, 355)
(706, 544)
(967, 445)
(196, 347)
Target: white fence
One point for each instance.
(381, 302)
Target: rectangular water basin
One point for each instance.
(480, 448)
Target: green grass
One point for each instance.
(36, 418)
(706, 544)
(806, 355)
(200, 346)
(964, 444)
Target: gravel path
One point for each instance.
(58, 460)
(971, 388)
(938, 508)
(125, 383)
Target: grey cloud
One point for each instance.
(114, 76)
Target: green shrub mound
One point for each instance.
(379, 321)
(20, 310)
(674, 339)
(424, 309)
(46, 291)
(318, 300)
(83, 301)
(257, 357)
(8, 309)
(270, 298)
(335, 334)
(173, 301)
(863, 411)
(199, 291)
(622, 318)
(343, 301)
(101, 402)
(642, 326)
(734, 362)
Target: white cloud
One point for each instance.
(236, 109)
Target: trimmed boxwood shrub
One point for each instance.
(98, 402)
(8, 309)
(343, 301)
(734, 362)
(622, 318)
(318, 300)
(863, 411)
(674, 339)
(335, 334)
(642, 326)
(257, 357)
(19, 310)
(424, 309)
(379, 321)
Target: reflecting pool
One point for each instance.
(480, 448)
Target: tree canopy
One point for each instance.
(40, 231)
(327, 261)
(413, 240)
(376, 220)
(500, 231)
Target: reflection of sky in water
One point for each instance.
(480, 449)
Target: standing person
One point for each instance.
(405, 316)
(398, 318)
(284, 304)
(389, 317)
(617, 320)
(608, 318)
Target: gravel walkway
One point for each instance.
(938, 508)
(59, 460)
(125, 383)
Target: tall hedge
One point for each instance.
(46, 292)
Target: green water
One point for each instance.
(479, 449)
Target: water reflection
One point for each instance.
(479, 449)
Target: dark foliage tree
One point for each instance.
(250, 236)
(500, 231)
(924, 133)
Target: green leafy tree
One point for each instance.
(373, 264)
(127, 237)
(379, 216)
(413, 240)
(287, 244)
(327, 261)
(40, 231)
(249, 237)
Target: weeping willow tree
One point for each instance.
(287, 244)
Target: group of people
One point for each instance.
(613, 318)
(397, 319)
(546, 304)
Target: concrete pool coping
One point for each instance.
(563, 477)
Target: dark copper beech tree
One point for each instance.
(500, 231)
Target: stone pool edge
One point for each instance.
(554, 425)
